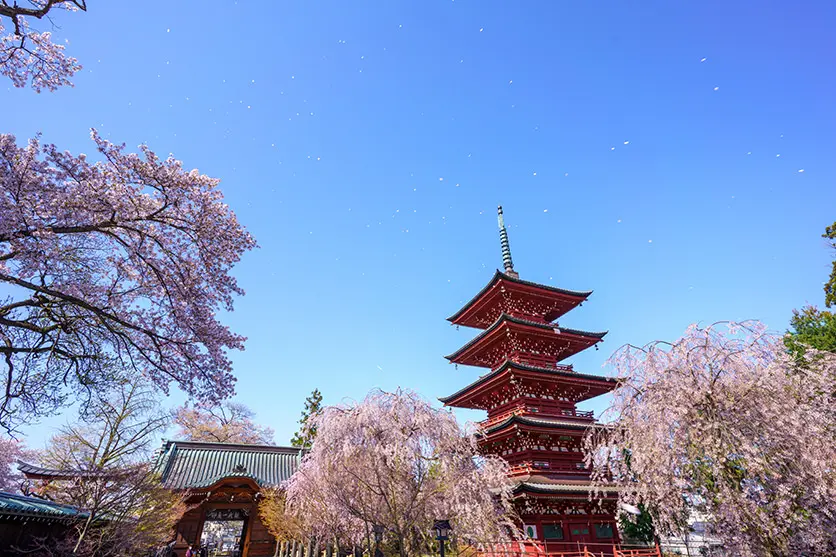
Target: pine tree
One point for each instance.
(305, 436)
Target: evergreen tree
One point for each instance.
(305, 436)
(637, 528)
(811, 326)
(830, 285)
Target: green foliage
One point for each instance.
(305, 436)
(637, 528)
(811, 327)
(830, 285)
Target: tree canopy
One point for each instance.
(228, 422)
(110, 477)
(29, 57)
(723, 422)
(118, 264)
(830, 285)
(307, 430)
(393, 460)
(812, 327)
(12, 450)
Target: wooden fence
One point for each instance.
(529, 549)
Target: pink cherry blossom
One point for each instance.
(113, 266)
(12, 450)
(395, 461)
(30, 57)
(724, 423)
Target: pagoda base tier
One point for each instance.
(561, 515)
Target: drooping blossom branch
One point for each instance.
(724, 424)
(394, 461)
(227, 422)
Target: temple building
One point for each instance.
(224, 481)
(530, 397)
(27, 522)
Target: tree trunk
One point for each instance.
(83, 533)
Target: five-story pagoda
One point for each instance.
(530, 398)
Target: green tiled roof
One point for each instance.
(21, 506)
(192, 464)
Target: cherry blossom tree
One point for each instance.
(272, 510)
(31, 57)
(11, 451)
(395, 461)
(724, 423)
(121, 264)
(228, 422)
(103, 467)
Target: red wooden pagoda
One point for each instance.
(531, 398)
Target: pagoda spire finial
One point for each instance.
(507, 262)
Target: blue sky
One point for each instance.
(634, 146)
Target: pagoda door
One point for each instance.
(579, 532)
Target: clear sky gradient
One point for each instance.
(652, 151)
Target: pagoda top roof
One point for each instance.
(505, 318)
(460, 317)
(606, 382)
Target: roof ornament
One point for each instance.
(507, 262)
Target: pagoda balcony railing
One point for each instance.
(561, 468)
(536, 413)
(499, 418)
(578, 414)
(538, 360)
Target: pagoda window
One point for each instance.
(603, 531)
(541, 463)
(552, 531)
(580, 531)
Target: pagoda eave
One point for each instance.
(539, 425)
(564, 342)
(555, 301)
(562, 491)
(465, 398)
